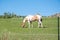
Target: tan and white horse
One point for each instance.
(31, 18)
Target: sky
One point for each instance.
(30, 7)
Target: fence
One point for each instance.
(58, 29)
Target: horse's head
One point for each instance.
(23, 24)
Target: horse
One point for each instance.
(32, 18)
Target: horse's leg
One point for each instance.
(40, 24)
(32, 25)
(29, 23)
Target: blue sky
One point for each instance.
(30, 7)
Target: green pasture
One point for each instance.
(10, 29)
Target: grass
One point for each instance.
(10, 29)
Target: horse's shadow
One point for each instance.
(44, 27)
(33, 27)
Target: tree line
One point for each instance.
(9, 15)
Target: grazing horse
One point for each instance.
(31, 18)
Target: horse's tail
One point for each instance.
(41, 20)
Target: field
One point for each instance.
(10, 29)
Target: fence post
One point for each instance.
(58, 28)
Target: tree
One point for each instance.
(7, 15)
(14, 15)
(1, 16)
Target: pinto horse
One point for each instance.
(31, 18)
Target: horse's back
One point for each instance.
(39, 16)
(31, 17)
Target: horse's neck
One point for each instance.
(24, 21)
